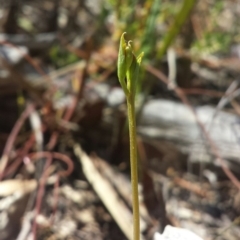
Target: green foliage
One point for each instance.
(149, 37)
(213, 39)
(146, 20)
(62, 57)
(175, 28)
(211, 43)
(26, 24)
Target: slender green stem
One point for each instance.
(134, 165)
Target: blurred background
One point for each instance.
(64, 168)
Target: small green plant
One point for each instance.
(128, 69)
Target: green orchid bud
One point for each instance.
(129, 55)
(128, 66)
(132, 74)
(122, 63)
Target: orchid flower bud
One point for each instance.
(128, 66)
(122, 62)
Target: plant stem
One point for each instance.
(134, 165)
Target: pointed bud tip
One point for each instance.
(139, 57)
(123, 36)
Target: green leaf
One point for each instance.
(122, 63)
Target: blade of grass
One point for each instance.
(149, 38)
(176, 27)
